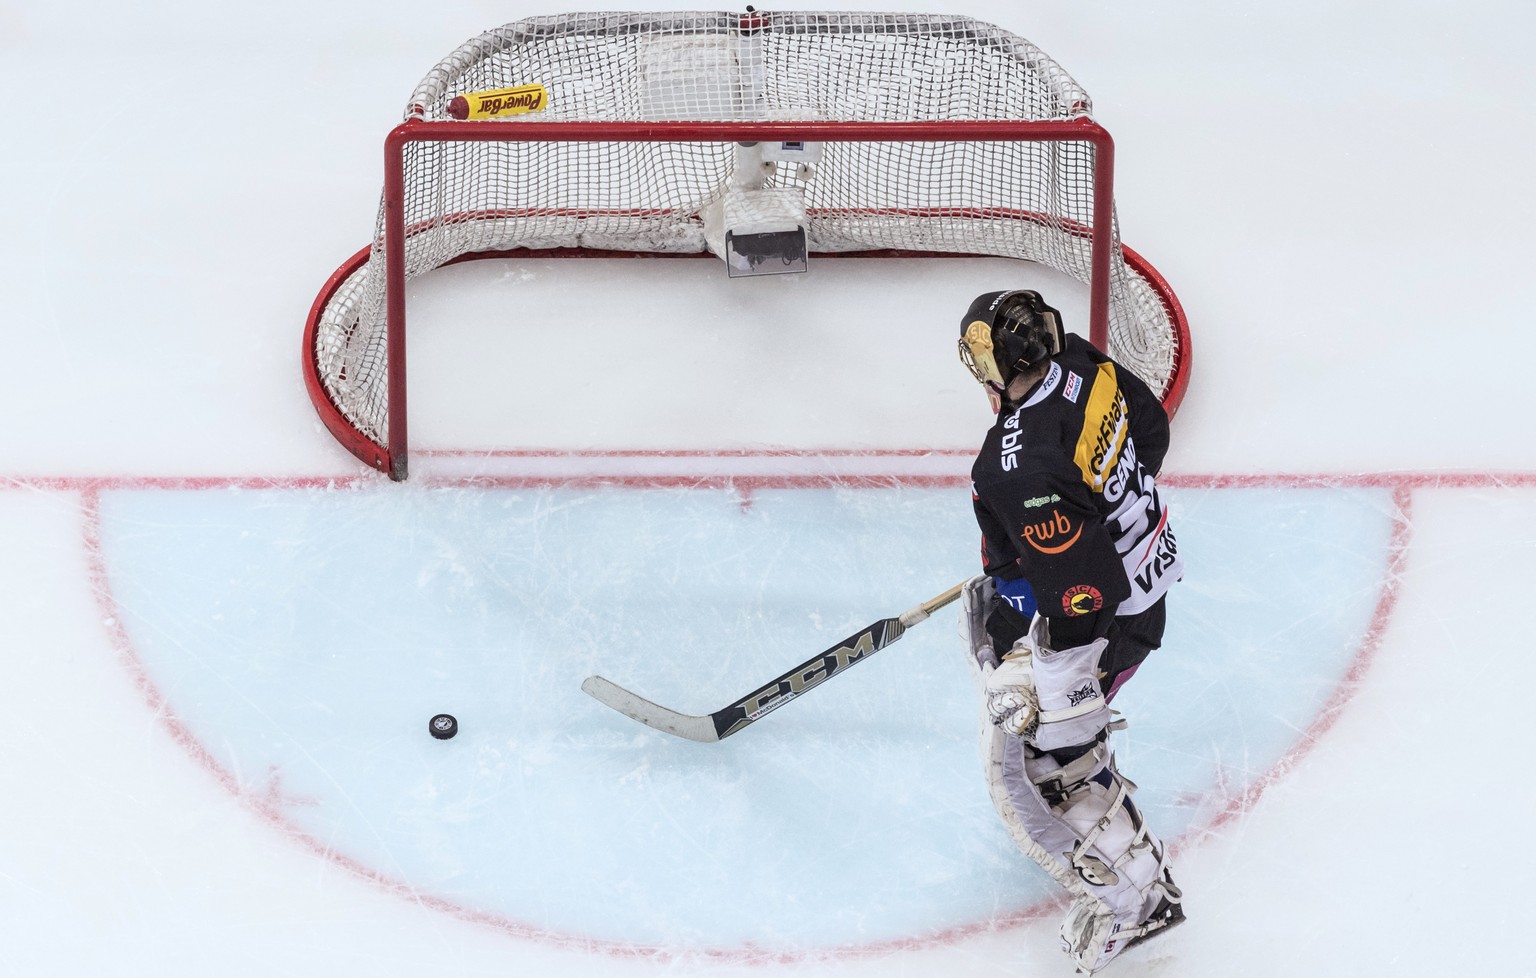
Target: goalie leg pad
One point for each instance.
(1080, 817)
(996, 748)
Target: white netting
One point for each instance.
(1024, 199)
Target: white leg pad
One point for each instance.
(976, 598)
(1076, 822)
(1084, 829)
(994, 756)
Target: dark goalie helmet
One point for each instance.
(1004, 333)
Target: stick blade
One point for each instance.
(616, 697)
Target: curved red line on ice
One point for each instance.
(265, 803)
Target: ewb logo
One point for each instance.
(1042, 536)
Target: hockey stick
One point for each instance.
(763, 701)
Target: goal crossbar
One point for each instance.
(631, 148)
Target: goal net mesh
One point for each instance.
(1022, 199)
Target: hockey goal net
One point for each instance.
(617, 132)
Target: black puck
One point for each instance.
(443, 726)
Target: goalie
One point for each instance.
(1077, 557)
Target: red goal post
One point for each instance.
(934, 135)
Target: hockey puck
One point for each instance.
(443, 726)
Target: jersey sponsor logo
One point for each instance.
(1105, 425)
(1047, 387)
(1010, 446)
(1073, 387)
(1034, 502)
(1052, 535)
(1115, 485)
(1161, 554)
(1083, 599)
(1011, 434)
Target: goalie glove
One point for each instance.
(1012, 703)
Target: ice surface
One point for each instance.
(305, 655)
(224, 638)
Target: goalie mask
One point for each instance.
(1005, 333)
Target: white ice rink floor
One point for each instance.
(223, 638)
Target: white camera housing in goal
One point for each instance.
(758, 232)
(760, 229)
(796, 151)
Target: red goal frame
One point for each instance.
(393, 458)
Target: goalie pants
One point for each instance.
(1131, 640)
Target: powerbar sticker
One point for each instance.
(499, 102)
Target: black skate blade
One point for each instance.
(1175, 918)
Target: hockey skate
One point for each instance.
(1092, 938)
(1168, 915)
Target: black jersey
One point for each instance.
(1065, 492)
